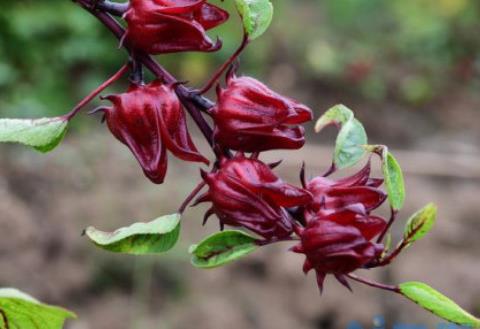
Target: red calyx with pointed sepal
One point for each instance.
(332, 248)
(246, 193)
(149, 119)
(167, 26)
(348, 201)
(339, 225)
(249, 117)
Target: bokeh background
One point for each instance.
(410, 70)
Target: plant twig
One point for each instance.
(393, 216)
(97, 91)
(373, 283)
(190, 197)
(387, 260)
(225, 66)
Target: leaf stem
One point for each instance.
(190, 197)
(97, 91)
(393, 216)
(406, 241)
(331, 170)
(374, 284)
(4, 319)
(221, 70)
(401, 246)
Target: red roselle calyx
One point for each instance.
(246, 193)
(149, 119)
(166, 26)
(336, 239)
(348, 201)
(249, 117)
(332, 248)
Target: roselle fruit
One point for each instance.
(332, 248)
(149, 119)
(246, 193)
(348, 201)
(166, 26)
(339, 225)
(249, 117)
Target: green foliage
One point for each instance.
(438, 304)
(22, 311)
(420, 223)
(51, 55)
(256, 16)
(351, 138)
(392, 172)
(42, 134)
(393, 181)
(222, 248)
(422, 42)
(154, 237)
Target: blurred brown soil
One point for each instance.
(46, 202)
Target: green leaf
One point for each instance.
(42, 134)
(338, 115)
(393, 175)
(348, 147)
(420, 223)
(222, 248)
(256, 16)
(438, 304)
(25, 312)
(154, 237)
(351, 138)
(394, 181)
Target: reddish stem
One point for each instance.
(331, 170)
(387, 260)
(225, 65)
(190, 197)
(374, 284)
(393, 216)
(96, 92)
(400, 247)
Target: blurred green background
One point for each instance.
(410, 70)
(52, 53)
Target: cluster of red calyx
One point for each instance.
(149, 119)
(331, 221)
(331, 218)
(167, 26)
(339, 226)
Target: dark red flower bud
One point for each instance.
(166, 26)
(348, 201)
(336, 239)
(331, 248)
(249, 117)
(246, 193)
(149, 119)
